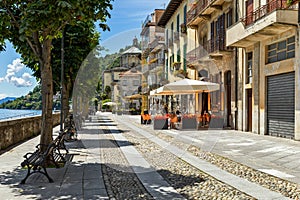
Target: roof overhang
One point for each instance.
(170, 10)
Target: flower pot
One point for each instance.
(160, 124)
(216, 122)
(189, 123)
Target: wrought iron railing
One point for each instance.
(198, 8)
(158, 40)
(264, 10)
(210, 46)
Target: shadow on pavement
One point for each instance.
(122, 176)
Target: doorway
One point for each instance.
(249, 110)
(227, 86)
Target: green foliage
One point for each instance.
(31, 101)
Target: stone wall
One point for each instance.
(18, 130)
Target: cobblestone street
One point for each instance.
(116, 157)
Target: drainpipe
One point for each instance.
(236, 89)
(298, 12)
(236, 74)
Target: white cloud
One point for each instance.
(2, 96)
(23, 81)
(15, 76)
(16, 66)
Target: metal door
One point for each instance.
(281, 105)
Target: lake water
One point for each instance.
(11, 114)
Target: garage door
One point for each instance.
(281, 105)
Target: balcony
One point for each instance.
(176, 37)
(202, 10)
(266, 21)
(158, 42)
(170, 43)
(155, 63)
(211, 48)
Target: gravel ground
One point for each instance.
(120, 181)
(286, 188)
(186, 179)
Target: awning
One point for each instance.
(134, 96)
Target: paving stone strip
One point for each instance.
(286, 188)
(151, 180)
(120, 180)
(186, 179)
(248, 187)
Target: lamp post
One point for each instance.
(62, 81)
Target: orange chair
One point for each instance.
(173, 121)
(145, 117)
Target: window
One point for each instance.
(184, 14)
(171, 62)
(178, 23)
(184, 56)
(249, 67)
(136, 82)
(229, 18)
(281, 50)
(178, 55)
(124, 82)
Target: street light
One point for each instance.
(62, 81)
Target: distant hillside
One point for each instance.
(31, 101)
(6, 99)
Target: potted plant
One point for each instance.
(216, 121)
(181, 73)
(160, 122)
(176, 65)
(189, 121)
(183, 28)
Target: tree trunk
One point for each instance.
(47, 93)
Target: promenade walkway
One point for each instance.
(82, 177)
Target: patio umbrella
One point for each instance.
(110, 103)
(186, 86)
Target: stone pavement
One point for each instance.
(82, 178)
(277, 156)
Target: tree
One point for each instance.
(79, 40)
(31, 27)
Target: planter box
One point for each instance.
(189, 123)
(216, 123)
(160, 124)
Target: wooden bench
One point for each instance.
(37, 161)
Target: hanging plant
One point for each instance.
(291, 2)
(176, 65)
(181, 73)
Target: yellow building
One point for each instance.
(196, 40)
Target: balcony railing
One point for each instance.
(176, 36)
(170, 43)
(265, 10)
(198, 8)
(210, 46)
(158, 40)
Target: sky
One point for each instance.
(125, 23)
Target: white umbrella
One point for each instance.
(186, 86)
(110, 103)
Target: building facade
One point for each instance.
(267, 38)
(153, 47)
(211, 58)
